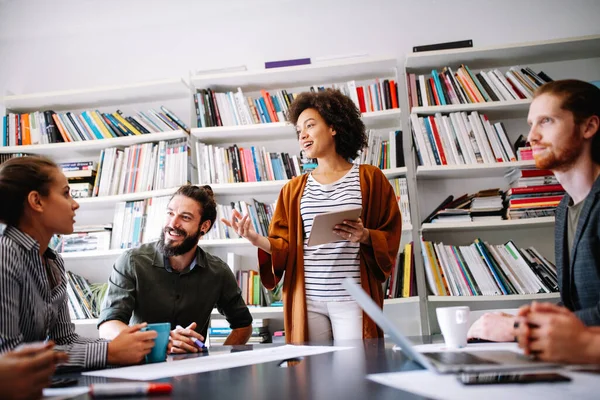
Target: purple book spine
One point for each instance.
(287, 63)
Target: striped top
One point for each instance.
(33, 306)
(326, 266)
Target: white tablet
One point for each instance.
(323, 224)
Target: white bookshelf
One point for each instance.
(276, 131)
(577, 58)
(494, 109)
(500, 298)
(141, 92)
(575, 48)
(90, 147)
(467, 171)
(488, 225)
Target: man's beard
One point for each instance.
(188, 243)
(562, 158)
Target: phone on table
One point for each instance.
(488, 378)
(63, 382)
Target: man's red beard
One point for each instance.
(559, 158)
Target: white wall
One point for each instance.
(64, 44)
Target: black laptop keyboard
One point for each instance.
(458, 358)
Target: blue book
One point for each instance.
(287, 63)
(438, 87)
(4, 131)
(436, 155)
(488, 263)
(92, 124)
(263, 106)
(255, 162)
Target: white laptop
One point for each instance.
(446, 361)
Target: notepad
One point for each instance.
(323, 224)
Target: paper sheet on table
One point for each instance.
(64, 393)
(447, 387)
(428, 348)
(212, 363)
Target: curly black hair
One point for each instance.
(205, 197)
(340, 113)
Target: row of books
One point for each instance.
(82, 302)
(236, 108)
(482, 269)
(384, 154)
(260, 217)
(142, 167)
(402, 281)
(84, 238)
(465, 87)
(43, 127)
(460, 138)
(237, 164)
(400, 186)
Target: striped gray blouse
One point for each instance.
(326, 266)
(33, 306)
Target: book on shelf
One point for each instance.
(381, 153)
(287, 63)
(446, 87)
(219, 330)
(402, 281)
(235, 164)
(483, 269)
(460, 138)
(260, 217)
(236, 108)
(485, 205)
(83, 299)
(142, 167)
(400, 186)
(44, 127)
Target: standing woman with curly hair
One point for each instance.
(316, 306)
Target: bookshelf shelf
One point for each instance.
(394, 172)
(141, 92)
(512, 297)
(87, 147)
(402, 300)
(496, 56)
(505, 109)
(495, 225)
(281, 130)
(470, 170)
(298, 76)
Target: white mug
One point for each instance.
(454, 323)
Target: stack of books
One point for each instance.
(85, 238)
(485, 269)
(488, 205)
(536, 193)
(81, 176)
(485, 205)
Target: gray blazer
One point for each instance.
(579, 277)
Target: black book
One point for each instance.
(137, 125)
(208, 102)
(387, 99)
(487, 87)
(286, 166)
(419, 95)
(72, 119)
(545, 77)
(399, 150)
(457, 88)
(52, 131)
(444, 46)
(116, 130)
(430, 97)
(533, 76)
(442, 205)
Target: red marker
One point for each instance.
(129, 389)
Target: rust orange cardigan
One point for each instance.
(380, 215)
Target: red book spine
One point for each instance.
(438, 141)
(537, 189)
(360, 92)
(394, 93)
(533, 200)
(434, 91)
(530, 173)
